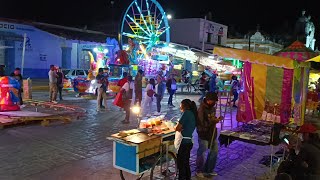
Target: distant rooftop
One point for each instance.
(70, 33)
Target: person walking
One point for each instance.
(138, 87)
(202, 83)
(106, 76)
(234, 89)
(53, 84)
(17, 75)
(207, 136)
(171, 87)
(148, 98)
(102, 88)
(126, 91)
(60, 82)
(183, 139)
(160, 88)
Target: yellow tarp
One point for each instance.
(255, 58)
(315, 59)
(259, 73)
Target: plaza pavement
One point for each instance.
(80, 150)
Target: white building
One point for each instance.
(257, 43)
(198, 33)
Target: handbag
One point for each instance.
(150, 93)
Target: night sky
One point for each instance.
(242, 14)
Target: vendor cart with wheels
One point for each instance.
(139, 153)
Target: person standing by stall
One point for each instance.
(138, 87)
(183, 139)
(171, 87)
(52, 84)
(207, 136)
(60, 82)
(234, 89)
(127, 90)
(202, 83)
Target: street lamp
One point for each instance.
(169, 16)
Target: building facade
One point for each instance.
(256, 43)
(198, 33)
(45, 45)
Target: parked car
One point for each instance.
(73, 73)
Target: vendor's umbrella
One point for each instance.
(315, 59)
(297, 51)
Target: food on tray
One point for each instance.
(128, 132)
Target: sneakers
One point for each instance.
(213, 174)
(200, 175)
(54, 102)
(22, 106)
(171, 105)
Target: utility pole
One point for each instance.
(203, 32)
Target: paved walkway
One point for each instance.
(80, 151)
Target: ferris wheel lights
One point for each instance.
(95, 50)
(105, 51)
(169, 16)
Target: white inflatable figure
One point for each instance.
(310, 29)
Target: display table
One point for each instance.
(254, 132)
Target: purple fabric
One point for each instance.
(286, 95)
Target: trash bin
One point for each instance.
(27, 88)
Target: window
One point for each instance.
(80, 73)
(209, 37)
(219, 40)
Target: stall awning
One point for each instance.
(256, 58)
(315, 59)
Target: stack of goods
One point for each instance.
(9, 90)
(155, 125)
(271, 112)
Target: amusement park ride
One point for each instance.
(143, 26)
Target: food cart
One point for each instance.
(146, 149)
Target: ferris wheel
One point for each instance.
(146, 22)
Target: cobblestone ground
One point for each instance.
(80, 151)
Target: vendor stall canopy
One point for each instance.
(255, 58)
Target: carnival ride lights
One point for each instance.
(144, 21)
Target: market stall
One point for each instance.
(274, 87)
(148, 148)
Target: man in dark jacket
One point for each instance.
(207, 135)
(60, 82)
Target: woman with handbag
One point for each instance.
(183, 138)
(126, 91)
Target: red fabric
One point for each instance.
(308, 128)
(122, 81)
(118, 100)
(13, 107)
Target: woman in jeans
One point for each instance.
(186, 126)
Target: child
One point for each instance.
(148, 98)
